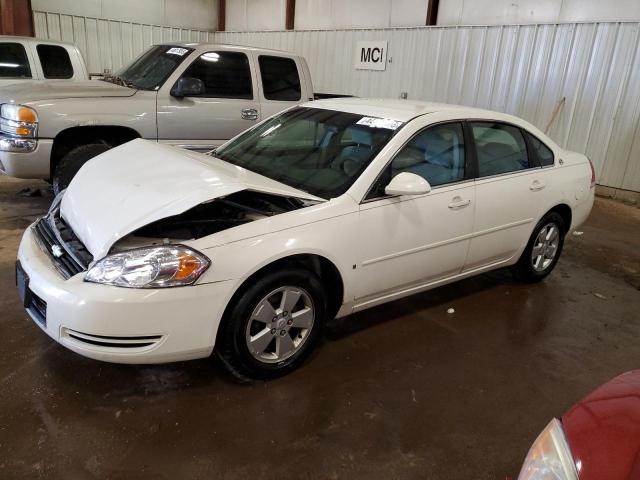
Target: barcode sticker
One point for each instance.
(374, 122)
(177, 51)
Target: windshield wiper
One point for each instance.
(117, 80)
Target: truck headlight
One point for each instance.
(18, 120)
(549, 457)
(150, 267)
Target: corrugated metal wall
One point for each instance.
(109, 43)
(524, 70)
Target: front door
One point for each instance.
(228, 106)
(410, 241)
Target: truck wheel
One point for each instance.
(72, 161)
(273, 326)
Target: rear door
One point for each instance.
(229, 105)
(510, 189)
(281, 81)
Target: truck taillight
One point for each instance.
(593, 174)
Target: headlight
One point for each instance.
(150, 267)
(18, 120)
(549, 457)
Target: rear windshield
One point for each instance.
(13, 61)
(319, 151)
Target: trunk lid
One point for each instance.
(140, 182)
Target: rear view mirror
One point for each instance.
(406, 183)
(187, 87)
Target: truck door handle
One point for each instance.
(537, 185)
(249, 114)
(459, 203)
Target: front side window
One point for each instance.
(280, 79)
(436, 154)
(500, 148)
(13, 61)
(150, 70)
(55, 61)
(544, 153)
(319, 151)
(224, 74)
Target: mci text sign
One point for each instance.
(371, 55)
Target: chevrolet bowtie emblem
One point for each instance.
(56, 250)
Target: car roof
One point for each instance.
(17, 38)
(401, 110)
(225, 45)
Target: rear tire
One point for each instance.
(73, 161)
(273, 326)
(543, 250)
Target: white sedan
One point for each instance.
(155, 254)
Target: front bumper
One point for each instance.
(25, 158)
(123, 325)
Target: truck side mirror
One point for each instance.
(187, 87)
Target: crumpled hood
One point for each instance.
(140, 182)
(36, 90)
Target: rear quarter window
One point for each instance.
(55, 61)
(280, 78)
(13, 61)
(544, 153)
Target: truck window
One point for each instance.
(55, 61)
(224, 74)
(13, 61)
(280, 79)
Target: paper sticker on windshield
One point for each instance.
(373, 122)
(177, 51)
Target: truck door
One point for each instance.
(281, 80)
(228, 105)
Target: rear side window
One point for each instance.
(280, 79)
(224, 74)
(544, 153)
(13, 61)
(55, 61)
(501, 148)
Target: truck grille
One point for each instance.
(65, 249)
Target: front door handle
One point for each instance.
(459, 203)
(249, 114)
(537, 185)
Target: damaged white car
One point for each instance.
(155, 254)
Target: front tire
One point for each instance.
(543, 250)
(73, 161)
(273, 326)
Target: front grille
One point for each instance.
(113, 342)
(65, 249)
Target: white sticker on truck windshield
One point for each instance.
(177, 51)
(373, 122)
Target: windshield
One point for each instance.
(321, 152)
(152, 68)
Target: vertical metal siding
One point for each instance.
(524, 70)
(109, 43)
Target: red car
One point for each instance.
(598, 438)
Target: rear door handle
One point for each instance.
(458, 203)
(537, 185)
(249, 114)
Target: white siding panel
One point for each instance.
(525, 70)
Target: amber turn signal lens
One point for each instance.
(188, 266)
(27, 115)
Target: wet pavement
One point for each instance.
(401, 391)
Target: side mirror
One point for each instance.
(406, 183)
(187, 87)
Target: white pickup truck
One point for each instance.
(26, 58)
(191, 95)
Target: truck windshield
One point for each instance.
(150, 70)
(319, 151)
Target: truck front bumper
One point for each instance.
(25, 158)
